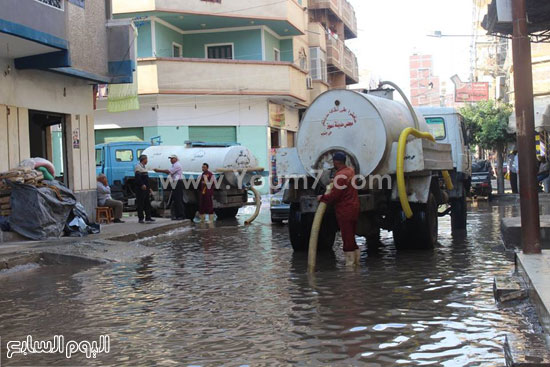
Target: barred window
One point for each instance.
(53, 3)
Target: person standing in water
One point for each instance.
(206, 194)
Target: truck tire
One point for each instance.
(459, 210)
(420, 231)
(299, 228)
(226, 213)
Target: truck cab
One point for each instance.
(448, 127)
(116, 160)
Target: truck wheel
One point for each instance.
(459, 212)
(299, 228)
(226, 213)
(420, 231)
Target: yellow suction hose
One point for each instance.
(258, 200)
(314, 235)
(401, 187)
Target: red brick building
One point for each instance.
(425, 87)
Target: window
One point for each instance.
(219, 51)
(177, 50)
(276, 55)
(139, 152)
(125, 155)
(58, 4)
(318, 64)
(98, 157)
(437, 127)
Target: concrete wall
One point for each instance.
(164, 38)
(289, 10)
(271, 43)
(36, 15)
(45, 91)
(175, 76)
(188, 111)
(287, 50)
(24, 90)
(247, 45)
(88, 37)
(144, 39)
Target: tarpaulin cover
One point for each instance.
(37, 213)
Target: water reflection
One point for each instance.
(235, 295)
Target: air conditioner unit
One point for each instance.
(309, 83)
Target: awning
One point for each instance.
(542, 115)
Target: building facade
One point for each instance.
(52, 55)
(226, 71)
(425, 86)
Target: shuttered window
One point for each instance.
(219, 52)
(213, 134)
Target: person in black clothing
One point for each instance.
(143, 191)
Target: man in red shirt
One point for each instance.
(345, 199)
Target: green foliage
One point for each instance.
(488, 124)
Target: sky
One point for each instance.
(392, 30)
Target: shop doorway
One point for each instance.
(47, 133)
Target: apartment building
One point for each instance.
(230, 71)
(425, 86)
(52, 55)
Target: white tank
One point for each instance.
(192, 158)
(361, 125)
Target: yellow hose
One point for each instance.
(314, 235)
(401, 187)
(258, 200)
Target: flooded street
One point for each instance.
(234, 295)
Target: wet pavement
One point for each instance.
(234, 295)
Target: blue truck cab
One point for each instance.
(117, 160)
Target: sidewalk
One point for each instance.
(113, 244)
(535, 271)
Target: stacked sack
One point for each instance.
(24, 175)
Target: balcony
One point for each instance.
(341, 9)
(29, 28)
(342, 58)
(351, 67)
(335, 53)
(286, 18)
(316, 35)
(318, 87)
(221, 77)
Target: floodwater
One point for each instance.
(238, 296)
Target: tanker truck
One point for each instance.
(406, 179)
(234, 167)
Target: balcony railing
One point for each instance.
(242, 11)
(335, 52)
(221, 77)
(342, 58)
(343, 10)
(351, 67)
(40, 24)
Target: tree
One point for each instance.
(488, 125)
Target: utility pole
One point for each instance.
(525, 120)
